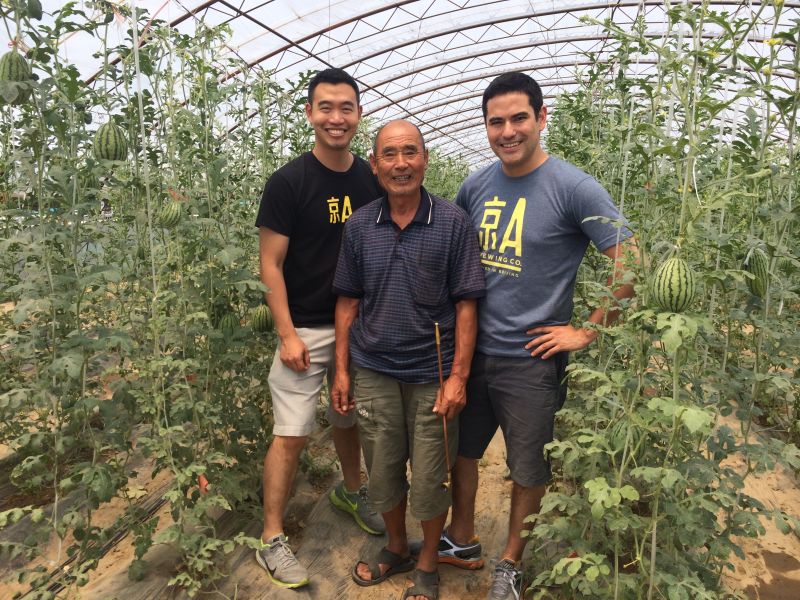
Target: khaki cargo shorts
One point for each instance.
(295, 395)
(396, 424)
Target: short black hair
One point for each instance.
(515, 81)
(334, 76)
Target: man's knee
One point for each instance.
(291, 445)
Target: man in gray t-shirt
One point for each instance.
(531, 214)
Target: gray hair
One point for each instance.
(375, 141)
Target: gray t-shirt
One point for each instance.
(533, 236)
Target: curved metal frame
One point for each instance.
(426, 54)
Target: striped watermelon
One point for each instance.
(618, 434)
(14, 67)
(673, 285)
(110, 142)
(757, 264)
(262, 319)
(228, 324)
(171, 214)
(784, 265)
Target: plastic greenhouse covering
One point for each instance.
(430, 60)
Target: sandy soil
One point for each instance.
(771, 570)
(771, 567)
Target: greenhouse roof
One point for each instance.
(430, 60)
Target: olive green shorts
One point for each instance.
(396, 424)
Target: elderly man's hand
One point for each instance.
(454, 398)
(342, 401)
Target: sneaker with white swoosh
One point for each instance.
(280, 562)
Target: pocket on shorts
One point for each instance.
(363, 408)
(543, 374)
(430, 286)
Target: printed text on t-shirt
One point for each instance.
(337, 216)
(505, 257)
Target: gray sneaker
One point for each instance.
(506, 582)
(357, 505)
(281, 564)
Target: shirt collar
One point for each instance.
(424, 214)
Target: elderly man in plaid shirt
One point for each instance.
(408, 260)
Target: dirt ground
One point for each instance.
(771, 570)
(771, 567)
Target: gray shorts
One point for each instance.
(396, 424)
(295, 395)
(522, 396)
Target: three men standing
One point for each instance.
(303, 210)
(409, 260)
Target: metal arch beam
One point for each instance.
(476, 107)
(486, 75)
(361, 16)
(478, 123)
(568, 40)
(471, 95)
(311, 55)
(485, 153)
(572, 40)
(575, 9)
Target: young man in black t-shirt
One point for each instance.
(301, 218)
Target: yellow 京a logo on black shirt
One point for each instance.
(490, 227)
(335, 215)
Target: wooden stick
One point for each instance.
(445, 484)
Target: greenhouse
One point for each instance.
(155, 326)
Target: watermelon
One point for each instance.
(673, 286)
(618, 434)
(757, 264)
(171, 214)
(14, 67)
(228, 324)
(110, 142)
(784, 265)
(262, 319)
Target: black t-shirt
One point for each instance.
(309, 203)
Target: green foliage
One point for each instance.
(445, 174)
(122, 288)
(650, 497)
(121, 331)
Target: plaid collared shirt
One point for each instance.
(406, 280)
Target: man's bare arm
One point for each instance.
(567, 338)
(272, 252)
(452, 401)
(346, 313)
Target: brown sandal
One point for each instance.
(395, 562)
(426, 584)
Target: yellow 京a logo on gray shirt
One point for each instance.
(334, 214)
(511, 238)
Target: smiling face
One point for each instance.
(514, 132)
(399, 159)
(333, 113)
